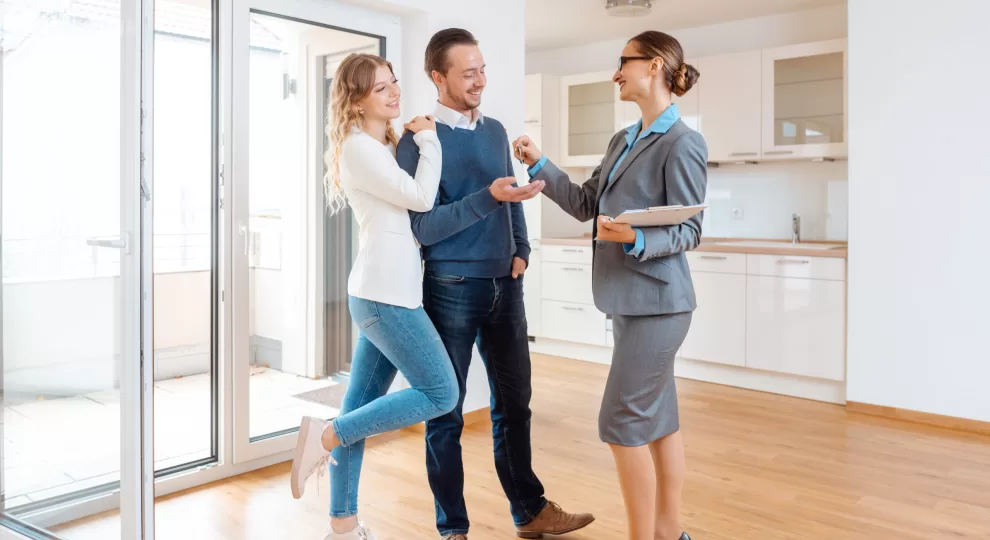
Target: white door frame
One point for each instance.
(331, 13)
(135, 297)
(137, 467)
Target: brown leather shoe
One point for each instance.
(455, 537)
(554, 521)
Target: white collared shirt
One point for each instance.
(455, 119)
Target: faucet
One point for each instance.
(795, 228)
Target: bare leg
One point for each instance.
(668, 460)
(639, 489)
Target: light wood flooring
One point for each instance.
(760, 466)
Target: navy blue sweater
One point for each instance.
(468, 232)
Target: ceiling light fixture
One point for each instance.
(628, 8)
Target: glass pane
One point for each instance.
(809, 100)
(61, 293)
(591, 117)
(183, 198)
(285, 382)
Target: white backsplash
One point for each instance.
(766, 194)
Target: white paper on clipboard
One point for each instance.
(658, 216)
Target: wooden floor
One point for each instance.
(760, 467)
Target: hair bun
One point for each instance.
(684, 78)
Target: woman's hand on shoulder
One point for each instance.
(421, 123)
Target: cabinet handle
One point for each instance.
(777, 152)
(792, 261)
(568, 308)
(572, 269)
(566, 250)
(713, 257)
(743, 154)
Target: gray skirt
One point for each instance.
(640, 402)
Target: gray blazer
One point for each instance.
(661, 169)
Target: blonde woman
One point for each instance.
(385, 287)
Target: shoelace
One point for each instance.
(321, 469)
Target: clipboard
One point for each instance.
(659, 216)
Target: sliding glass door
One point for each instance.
(289, 261)
(76, 298)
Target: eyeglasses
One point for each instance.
(624, 59)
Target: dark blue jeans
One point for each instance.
(489, 313)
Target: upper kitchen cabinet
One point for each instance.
(590, 114)
(804, 100)
(730, 103)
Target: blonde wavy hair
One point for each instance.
(353, 81)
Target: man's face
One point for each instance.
(465, 78)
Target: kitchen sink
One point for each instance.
(787, 245)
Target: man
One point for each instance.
(476, 250)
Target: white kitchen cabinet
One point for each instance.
(718, 327)
(578, 323)
(590, 113)
(567, 254)
(729, 103)
(796, 326)
(568, 282)
(532, 293)
(804, 100)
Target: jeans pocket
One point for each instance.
(364, 313)
(449, 279)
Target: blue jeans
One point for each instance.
(391, 339)
(489, 313)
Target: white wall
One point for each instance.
(918, 287)
(499, 29)
(768, 193)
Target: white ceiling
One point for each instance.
(563, 23)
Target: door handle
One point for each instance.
(244, 234)
(120, 243)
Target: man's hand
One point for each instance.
(610, 231)
(503, 191)
(518, 267)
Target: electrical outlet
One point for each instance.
(737, 213)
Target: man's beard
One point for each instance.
(463, 104)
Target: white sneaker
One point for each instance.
(359, 533)
(310, 455)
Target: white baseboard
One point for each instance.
(740, 377)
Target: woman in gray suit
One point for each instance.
(641, 276)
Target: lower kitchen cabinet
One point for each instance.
(796, 326)
(718, 327)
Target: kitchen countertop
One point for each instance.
(741, 245)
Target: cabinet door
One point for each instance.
(534, 100)
(588, 118)
(688, 103)
(804, 100)
(578, 323)
(532, 281)
(796, 326)
(718, 327)
(729, 103)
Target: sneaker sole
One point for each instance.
(534, 535)
(304, 428)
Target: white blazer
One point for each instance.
(388, 268)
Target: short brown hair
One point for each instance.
(680, 77)
(440, 44)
